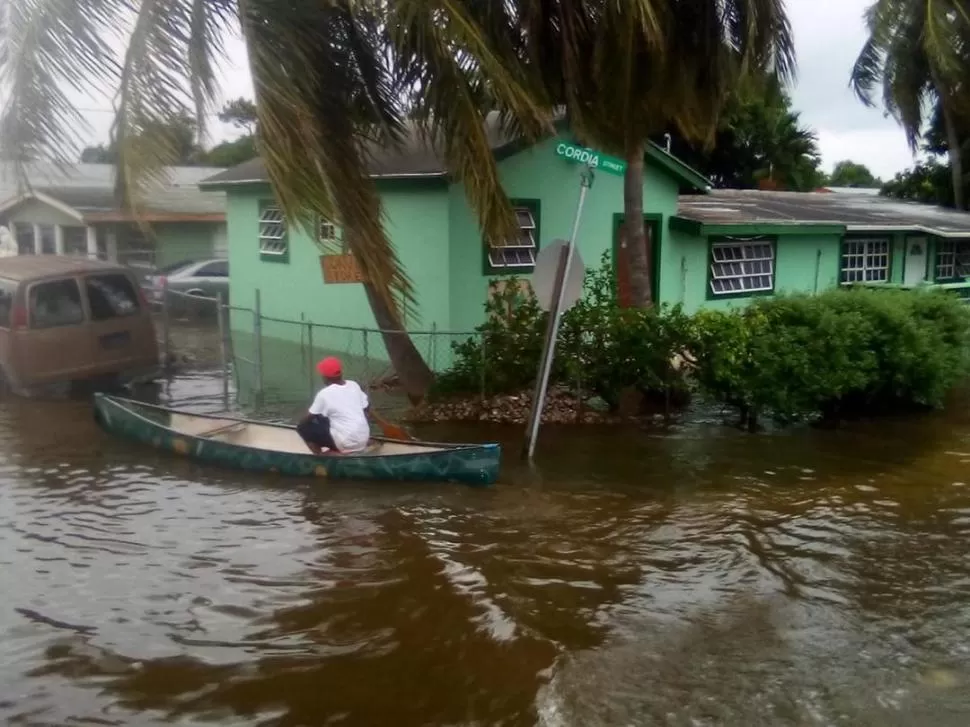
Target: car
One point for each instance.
(205, 278)
(66, 320)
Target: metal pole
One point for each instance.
(223, 356)
(166, 340)
(367, 381)
(556, 314)
(484, 359)
(310, 379)
(432, 352)
(258, 347)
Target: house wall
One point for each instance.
(416, 220)
(176, 241)
(537, 173)
(805, 262)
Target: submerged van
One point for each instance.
(68, 319)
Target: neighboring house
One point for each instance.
(710, 248)
(75, 212)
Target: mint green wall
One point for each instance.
(537, 173)
(416, 219)
(805, 263)
(176, 241)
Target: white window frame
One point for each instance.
(952, 259)
(739, 267)
(329, 237)
(528, 233)
(272, 232)
(860, 260)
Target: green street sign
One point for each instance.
(591, 158)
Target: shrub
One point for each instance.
(601, 346)
(841, 353)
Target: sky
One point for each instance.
(828, 36)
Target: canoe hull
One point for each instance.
(471, 464)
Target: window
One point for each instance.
(48, 240)
(55, 304)
(272, 233)
(518, 255)
(329, 238)
(8, 289)
(25, 237)
(217, 269)
(952, 259)
(111, 296)
(865, 260)
(741, 267)
(75, 241)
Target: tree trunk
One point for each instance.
(956, 156)
(410, 367)
(639, 254)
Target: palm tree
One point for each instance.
(334, 77)
(918, 54)
(628, 71)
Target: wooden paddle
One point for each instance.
(391, 431)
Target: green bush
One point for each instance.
(602, 348)
(843, 353)
(846, 352)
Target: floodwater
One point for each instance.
(691, 576)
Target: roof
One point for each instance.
(416, 158)
(89, 189)
(26, 267)
(853, 212)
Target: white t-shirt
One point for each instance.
(344, 404)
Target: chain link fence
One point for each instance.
(271, 362)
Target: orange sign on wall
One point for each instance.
(340, 269)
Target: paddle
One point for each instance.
(391, 431)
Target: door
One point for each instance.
(56, 344)
(914, 272)
(122, 334)
(622, 259)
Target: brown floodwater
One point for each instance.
(687, 576)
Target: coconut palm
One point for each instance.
(626, 72)
(333, 78)
(918, 55)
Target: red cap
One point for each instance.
(330, 367)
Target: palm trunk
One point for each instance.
(639, 253)
(410, 367)
(956, 157)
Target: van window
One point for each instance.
(55, 304)
(111, 296)
(8, 289)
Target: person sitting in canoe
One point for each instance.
(338, 417)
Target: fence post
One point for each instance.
(366, 359)
(310, 378)
(166, 339)
(223, 357)
(484, 359)
(258, 347)
(432, 348)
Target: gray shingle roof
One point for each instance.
(855, 211)
(89, 188)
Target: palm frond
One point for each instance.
(46, 47)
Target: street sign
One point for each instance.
(591, 158)
(544, 276)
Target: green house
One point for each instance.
(710, 248)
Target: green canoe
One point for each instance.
(258, 446)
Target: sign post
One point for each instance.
(563, 262)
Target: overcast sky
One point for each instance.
(828, 34)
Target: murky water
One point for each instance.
(696, 576)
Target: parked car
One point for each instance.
(70, 319)
(199, 278)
